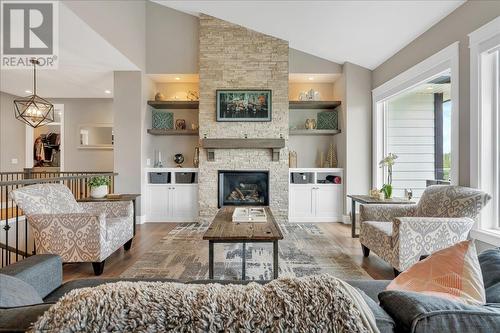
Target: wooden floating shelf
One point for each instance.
(160, 131)
(174, 104)
(313, 104)
(313, 132)
(235, 143)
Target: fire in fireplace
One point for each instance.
(243, 188)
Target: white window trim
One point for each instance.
(445, 59)
(477, 39)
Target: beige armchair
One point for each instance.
(85, 232)
(401, 234)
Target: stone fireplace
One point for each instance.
(243, 188)
(233, 57)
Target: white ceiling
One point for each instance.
(362, 32)
(86, 65)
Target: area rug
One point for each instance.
(305, 250)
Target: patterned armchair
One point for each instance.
(400, 234)
(85, 232)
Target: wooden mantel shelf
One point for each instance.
(235, 143)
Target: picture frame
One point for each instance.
(244, 105)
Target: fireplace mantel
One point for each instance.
(236, 143)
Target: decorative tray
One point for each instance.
(249, 215)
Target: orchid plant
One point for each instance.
(388, 162)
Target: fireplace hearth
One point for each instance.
(243, 188)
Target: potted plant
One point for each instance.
(99, 186)
(388, 162)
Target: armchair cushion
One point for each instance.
(451, 201)
(45, 199)
(385, 212)
(416, 312)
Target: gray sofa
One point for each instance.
(397, 312)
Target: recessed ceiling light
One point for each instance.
(177, 78)
(28, 91)
(107, 91)
(311, 78)
(429, 88)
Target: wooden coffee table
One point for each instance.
(224, 230)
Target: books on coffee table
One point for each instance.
(249, 214)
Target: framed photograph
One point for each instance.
(244, 105)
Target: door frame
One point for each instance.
(29, 134)
(433, 66)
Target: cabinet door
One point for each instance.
(158, 203)
(301, 202)
(184, 202)
(328, 203)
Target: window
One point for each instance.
(418, 130)
(485, 125)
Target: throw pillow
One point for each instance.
(16, 292)
(490, 266)
(453, 273)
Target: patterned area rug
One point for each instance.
(305, 250)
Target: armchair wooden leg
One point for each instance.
(396, 272)
(128, 245)
(98, 267)
(366, 251)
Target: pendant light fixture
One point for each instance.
(34, 110)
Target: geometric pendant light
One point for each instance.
(34, 110)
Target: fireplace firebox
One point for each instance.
(243, 188)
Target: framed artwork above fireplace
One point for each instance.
(244, 105)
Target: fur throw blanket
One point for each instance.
(311, 304)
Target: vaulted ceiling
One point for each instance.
(362, 32)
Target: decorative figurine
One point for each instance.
(180, 124)
(179, 159)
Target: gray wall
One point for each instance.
(454, 27)
(12, 135)
(171, 40)
(78, 111)
(358, 129)
(301, 62)
(128, 106)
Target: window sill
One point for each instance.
(490, 236)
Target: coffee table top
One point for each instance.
(223, 228)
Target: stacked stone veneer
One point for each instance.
(233, 57)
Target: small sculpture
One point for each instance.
(196, 157)
(159, 97)
(292, 159)
(179, 159)
(310, 124)
(192, 95)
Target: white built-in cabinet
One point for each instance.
(313, 197)
(171, 194)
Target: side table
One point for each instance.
(115, 197)
(368, 200)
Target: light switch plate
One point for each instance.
(148, 161)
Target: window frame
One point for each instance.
(433, 66)
(481, 41)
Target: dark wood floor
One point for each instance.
(150, 233)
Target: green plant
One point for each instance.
(387, 190)
(388, 162)
(99, 181)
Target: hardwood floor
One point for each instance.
(150, 234)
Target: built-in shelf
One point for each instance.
(313, 104)
(174, 104)
(160, 131)
(313, 132)
(235, 143)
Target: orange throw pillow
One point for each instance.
(452, 273)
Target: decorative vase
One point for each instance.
(310, 124)
(99, 191)
(196, 158)
(159, 97)
(331, 157)
(179, 159)
(180, 124)
(292, 159)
